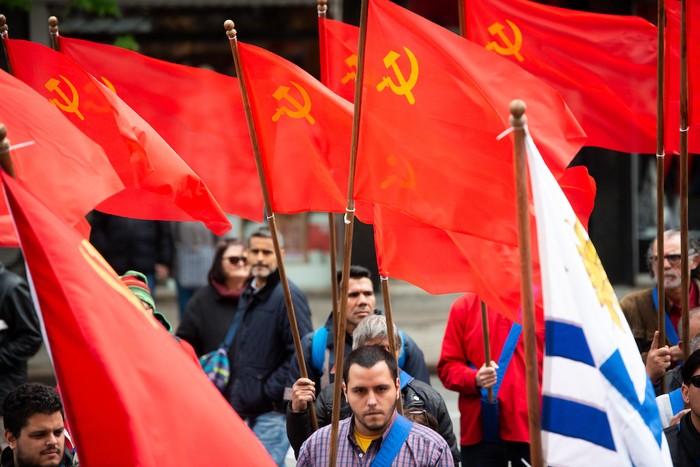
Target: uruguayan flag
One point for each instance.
(598, 405)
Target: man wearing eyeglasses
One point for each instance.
(684, 438)
(641, 307)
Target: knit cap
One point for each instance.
(137, 283)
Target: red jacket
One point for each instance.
(464, 343)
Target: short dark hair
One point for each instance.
(26, 400)
(264, 232)
(216, 272)
(367, 357)
(356, 272)
(690, 366)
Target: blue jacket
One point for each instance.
(263, 347)
(413, 365)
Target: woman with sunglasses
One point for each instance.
(210, 311)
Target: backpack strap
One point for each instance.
(671, 333)
(228, 340)
(392, 443)
(405, 378)
(505, 358)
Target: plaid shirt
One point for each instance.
(423, 448)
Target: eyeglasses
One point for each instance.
(673, 258)
(695, 381)
(234, 260)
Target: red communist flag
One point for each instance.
(673, 75)
(60, 165)
(159, 185)
(197, 111)
(303, 132)
(441, 261)
(604, 66)
(338, 42)
(433, 104)
(131, 395)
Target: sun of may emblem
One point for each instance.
(596, 273)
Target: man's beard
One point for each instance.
(25, 461)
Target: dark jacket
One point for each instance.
(7, 458)
(263, 348)
(207, 319)
(684, 443)
(20, 334)
(132, 243)
(414, 364)
(414, 395)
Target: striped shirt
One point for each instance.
(422, 448)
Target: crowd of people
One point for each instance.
(389, 413)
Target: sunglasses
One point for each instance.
(674, 258)
(234, 260)
(695, 381)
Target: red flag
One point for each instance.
(132, 396)
(441, 261)
(63, 167)
(673, 76)
(303, 130)
(159, 185)
(198, 112)
(433, 105)
(604, 66)
(338, 42)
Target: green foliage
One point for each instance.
(127, 42)
(97, 7)
(17, 4)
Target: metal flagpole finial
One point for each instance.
(322, 6)
(5, 160)
(517, 113)
(230, 31)
(53, 26)
(4, 28)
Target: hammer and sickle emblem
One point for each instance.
(351, 62)
(109, 84)
(67, 105)
(302, 110)
(511, 47)
(404, 87)
(408, 181)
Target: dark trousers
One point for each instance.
(495, 454)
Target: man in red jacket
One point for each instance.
(492, 434)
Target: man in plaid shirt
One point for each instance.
(375, 431)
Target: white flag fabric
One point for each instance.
(598, 405)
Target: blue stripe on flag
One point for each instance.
(576, 420)
(567, 341)
(616, 373)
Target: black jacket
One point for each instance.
(20, 334)
(132, 243)
(263, 348)
(414, 395)
(414, 364)
(684, 443)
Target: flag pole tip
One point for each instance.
(5, 160)
(3, 26)
(322, 6)
(517, 112)
(230, 31)
(53, 22)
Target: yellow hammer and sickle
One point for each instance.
(351, 62)
(405, 86)
(302, 110)
(511, 47)
(68, 105)
(109, 84)
(408, 181)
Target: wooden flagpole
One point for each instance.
(462, 18)
(5, 159)
(349, 228)
(685, 274)
(393, 345)
(322, 9)
(231, 33)
(487, 342)
(660, 155)
(518, 122)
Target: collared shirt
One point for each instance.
(422, 448)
